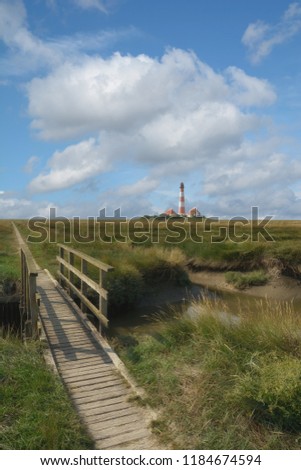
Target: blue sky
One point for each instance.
(112, 103)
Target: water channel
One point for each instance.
(167, 302)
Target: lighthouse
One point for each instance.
(181, 210)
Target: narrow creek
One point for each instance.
(167, 302)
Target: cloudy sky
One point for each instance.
(112, 103)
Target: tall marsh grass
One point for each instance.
(225, 381)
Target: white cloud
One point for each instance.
(141, 187)
(170, 115)
(16, 207)
(28, 53)
(71, 166)
(22, 43)
(102, 5)
(124, 92)
(31, 164)
(250, 175)
(260, 38)
(250, 91)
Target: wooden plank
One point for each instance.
(69, 376)
(61, 334)
(69, 365)
(61, 358)
(81, 376)
(96, 383)
(86, 279)
(86, 396)
(67, 346)
(118, 412)
(90, 349)
(57, 327)
(86, 366)
(115, 421)
(85, 346)
(92, 415)
(93, 261)
(119, 440)
(101, 387)
(98, 407)
(84, 299)
(116, 429)
(74, 342)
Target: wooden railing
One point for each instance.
(68, 273)
(29, 303)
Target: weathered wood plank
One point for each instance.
(98, 407)
(133, 420)
(117, 413)
(96, 395)
(69, 365)
(80, 377)
(97, 383)
(86, 301)
(95, 262)
(114, 442)
(84, 368)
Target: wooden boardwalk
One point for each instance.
(97, 389)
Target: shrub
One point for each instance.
(125, 288)
(271, 391)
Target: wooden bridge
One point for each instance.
(95, 378)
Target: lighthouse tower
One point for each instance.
(181, 210)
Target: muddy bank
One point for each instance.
(281, 288)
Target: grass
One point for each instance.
(244, 280)
(145, 252)
(224, 381)
(220, 243)
(9, 256)
(230, 382)
(35, 411)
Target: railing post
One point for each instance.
(103, 304)
(34, 310)
(23, 284)
(61, 267)
(70, 273)
(83, 285)
(29, 308)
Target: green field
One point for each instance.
(223, 243)
(217, 383)
(148, 252)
